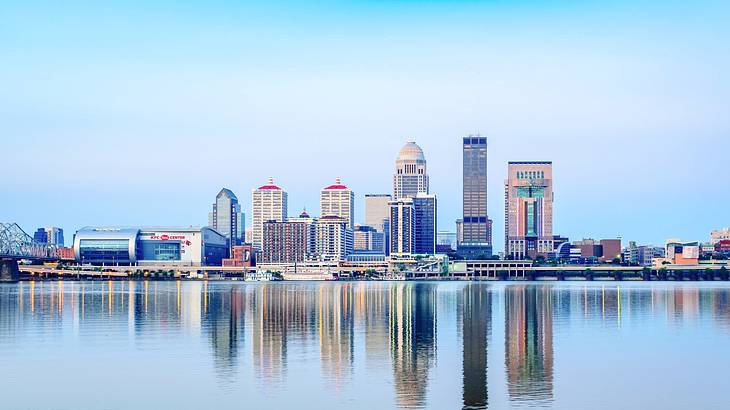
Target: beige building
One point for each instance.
(269, 204)
(333, 239)
(377, 211)
(528, 209)
(410, 177)
(338, 200)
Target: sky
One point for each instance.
(138, 113)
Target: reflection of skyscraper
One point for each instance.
(412, 319)
(336, 330)
(529, 343)
(224, 318)
(269, 333)
(476, 322)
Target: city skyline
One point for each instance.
(595, 88)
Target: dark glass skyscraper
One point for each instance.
(476, 228)
(424, 206)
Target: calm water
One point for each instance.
(195, 345)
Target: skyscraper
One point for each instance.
(410, 176)
(269, 204)
(338, 200)
(528, 209)
(475, 240)
(402, 227)
(227, 217)
(424, 207)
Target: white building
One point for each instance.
(333, 239)
(410, 177)
(338, 200)
(269, 204)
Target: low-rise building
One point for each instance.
(192, 246)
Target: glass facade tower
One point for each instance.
(476, 228)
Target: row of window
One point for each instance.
(530, 174)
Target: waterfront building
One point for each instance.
(402, 227)
(284, 242)
(529, 209)
(682, 253)
(604, 250)
(333, 238)
(425, 211)
(50, 235)
(269, 204)
(227, 218)
(241, 256)
(311, 231)
(410, 177)
(476, 227)
(368, 239)
(338, 200)
(720, 235)
(191, 246)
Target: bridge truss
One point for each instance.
(16, 244)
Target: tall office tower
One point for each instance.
(334, 239)
(528, 209)
(338, 200)
(227, 218)
(424, 206)
(284, 242)
(410, 176)
(269, 204)
(402, 227)
(476, 227)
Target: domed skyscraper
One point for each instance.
(410, 176)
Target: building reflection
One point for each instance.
(529, 344)
(476, 328)
(412, 322)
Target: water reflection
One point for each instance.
(339, 331)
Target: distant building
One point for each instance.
(377, 215)
(192, 246)
(529, 209)
(65, 254)
(682, 253)
(333, 238)
(446, 241)
(49, 235)
(338, 200)
(476, 227)
(402, 227)
(227, 218)
(720, 235)
(366, 238)
(284, 242)
(40, 236)
(604, 250)
(410, 177)
(425, 223)
(242, 256)
(269, 204)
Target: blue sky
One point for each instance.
(139, 112)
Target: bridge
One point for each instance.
(15, 244)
